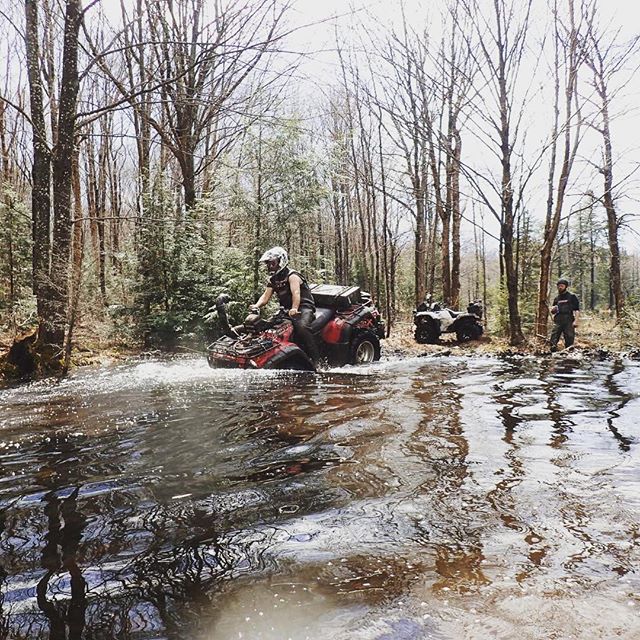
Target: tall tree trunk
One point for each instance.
(507, 235)
(445, 244)
(612, 216)
(570, 147)
(592, 255)
(606, 59)
(116, 212)
(420, 251)
(93, 199)
(456, 219)
(443, 214)
(337, 225)
(41, 167)
(433, 250)
(101, 215)
(257, 240)
(78, 256)
(62, 177)
(187, 167)
(445, 256)
(386, 232)
(475, 287)
(515, 330)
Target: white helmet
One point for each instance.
(276, 259)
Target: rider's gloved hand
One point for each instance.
(254, 308)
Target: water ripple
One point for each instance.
(429, 497)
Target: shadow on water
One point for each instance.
(426, 498)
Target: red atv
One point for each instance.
(347, 329)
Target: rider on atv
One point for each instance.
(294, 295)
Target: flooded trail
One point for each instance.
(444, 498)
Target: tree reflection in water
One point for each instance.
(625, 398)
(4, 619)
(441, 441)
(60, 553)
(154, 589)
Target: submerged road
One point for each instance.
(445, 498)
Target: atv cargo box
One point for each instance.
(336, 296)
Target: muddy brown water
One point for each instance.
(438, 498)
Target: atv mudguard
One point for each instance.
(460, 321)
(290, 355)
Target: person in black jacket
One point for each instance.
(293, 294)
(565, 310)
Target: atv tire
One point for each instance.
(364, 349)
(469, 332)
(296, 364)
(428, 334)
(292, 362)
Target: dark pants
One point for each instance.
(303, 336)
(563, 326)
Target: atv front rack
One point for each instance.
(227, 347)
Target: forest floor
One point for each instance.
(596, 333)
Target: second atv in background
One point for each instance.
(431, 320)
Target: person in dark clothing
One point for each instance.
(565, 310)
(294, 295)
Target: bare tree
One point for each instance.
(456, 69)
(355, 135)
(52, 171)
(568, 58)
(337, 177)
(404, 97)
(41, 167)
(607, 59)
(499, 111)
(195, 68)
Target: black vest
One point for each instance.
(567, 303)
(280, 284)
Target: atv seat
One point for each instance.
(323, 315)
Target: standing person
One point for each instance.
(294, 295)
(565, 311)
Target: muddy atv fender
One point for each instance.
(291, 358)
(427, 332)
(364, 348)
(468, 330)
